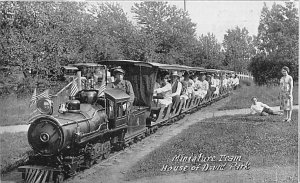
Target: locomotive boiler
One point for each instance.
(64, 142)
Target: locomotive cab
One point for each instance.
(116, 107)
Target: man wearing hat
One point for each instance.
(122, 84)
(176, 88)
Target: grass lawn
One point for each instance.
(241, 98)
(16, 111)
(14, 147)
(261, 141)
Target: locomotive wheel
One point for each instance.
(59, 178)
(107, 149)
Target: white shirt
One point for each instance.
(235, 81)
(164, 89)
(230, 81)
(203, 85)
(218, 82)
(224, 83)
(213, 82)
(196, 84)
(258, 107)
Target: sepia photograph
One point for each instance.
(182, 91)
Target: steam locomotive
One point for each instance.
(88, 127)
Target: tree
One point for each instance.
(239, 49)
(38, 35)
(278, 31)
(209, 53)
(170, 27)
(277, 43)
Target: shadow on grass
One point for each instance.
(264, 141)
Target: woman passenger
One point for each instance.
(218, 84)
(188, 86)
(165, 91)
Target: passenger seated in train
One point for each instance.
(165, 91)
(235, 82)
(187, 87)
(224, 83)
(212, 83)
(196, 85)
(190, 88)
(122, 84)
(210, 88)
(230, 81)
(176, 88)
(202, 87)
(218, 84)
(98, 75)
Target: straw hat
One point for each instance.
(175, 73)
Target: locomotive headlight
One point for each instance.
(45, 106)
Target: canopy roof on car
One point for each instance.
(70, 67)
(152, 65)
(87, 64)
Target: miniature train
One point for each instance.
(90, 126)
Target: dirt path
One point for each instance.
(14, 128)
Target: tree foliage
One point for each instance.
(277, 43)
(171, 29)
(239, 49)
(42, 36)
(209, 52)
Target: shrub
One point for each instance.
(267, 70)
(246, 82)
